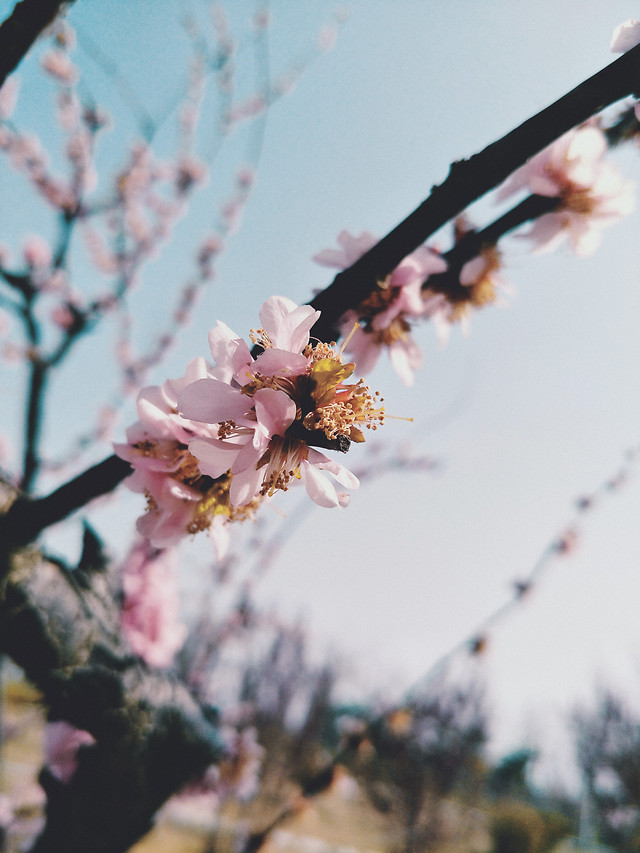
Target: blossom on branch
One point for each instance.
(208, 447)
(180, 499)
(591, 192)
(386, 315)
(266, 414)
(625, 36)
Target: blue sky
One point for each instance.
(531, 410)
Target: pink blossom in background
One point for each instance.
(65, 35)
(8, 97)
(189, 172)
(239, 772)
(327, 38)
(63, 316)
(37, 252)
(150, 609)
(6, 811)
(387, 314)
(592, 194)
(59, 66)
(246, 177)
(61, 744)
(69, 109)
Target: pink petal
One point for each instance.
(275, 410)
(229, 351)
(212, 401)
(283, 362)
(245, 486)
(214, 457)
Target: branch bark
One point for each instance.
(19, 31)
(27, 518)
(61, 627)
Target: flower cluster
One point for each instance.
(591, 192)
(211, 445)
(268, 412)
(386, 315)
(180, 500)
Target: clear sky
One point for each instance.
(533, 409)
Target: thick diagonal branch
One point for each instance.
(470, 179)
(28, 517)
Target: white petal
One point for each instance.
(318, 487)
(406, 357)
(625, 36)
(343, 475)
(220, 536)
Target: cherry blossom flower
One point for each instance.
(625, 36)
(180, 498)
(150, 617)
(591, 192)
(266, 412)
(61, 744)
(386, 315)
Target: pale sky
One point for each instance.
(533, 409)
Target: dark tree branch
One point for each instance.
(470, 245)
(27, 518)
(19, 31)
(470, 179)
(35, 399)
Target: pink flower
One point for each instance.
(150, 613)
(625, 36)
(266, 412)
(63, 316)
(592, 193)
(386, 315)
(61, 744)
(180, 500)
(8, 97)
(58, 65)
(37, 252)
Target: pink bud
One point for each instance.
(37, 252)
